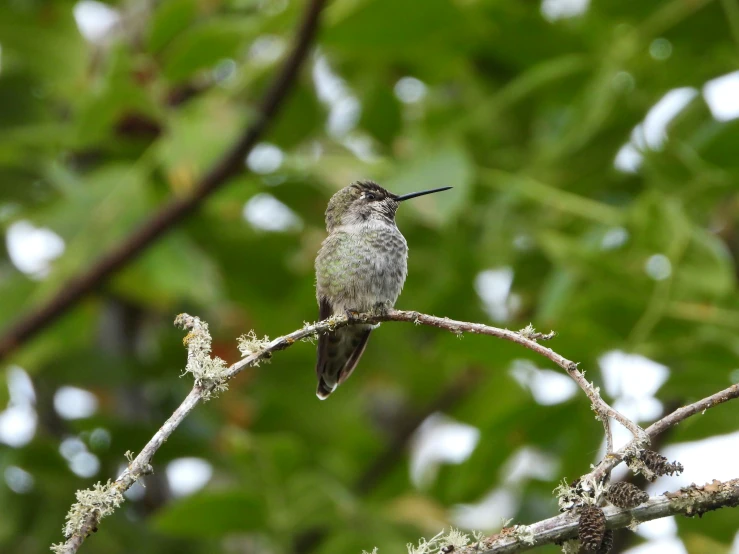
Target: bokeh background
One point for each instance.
(594, 152)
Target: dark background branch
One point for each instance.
(231, 164)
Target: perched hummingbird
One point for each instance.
(361, 267)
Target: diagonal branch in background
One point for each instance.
(211, 376)
(231, 164)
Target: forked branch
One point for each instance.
(211, 376)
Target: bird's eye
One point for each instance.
(369, 196)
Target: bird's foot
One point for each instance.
(351, 314)
(381, 308)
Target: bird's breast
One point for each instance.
(362, 266)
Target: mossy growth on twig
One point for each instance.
(251, 345)
(97, 502)
(208, 372)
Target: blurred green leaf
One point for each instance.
(436, 166)
(212, 514)
(204, 45)
(170, 19)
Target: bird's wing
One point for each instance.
(324, 311)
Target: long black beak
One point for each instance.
(416, 194)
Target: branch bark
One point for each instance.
(611, 461)
(688, 501)
(85, 516)
(231, 164)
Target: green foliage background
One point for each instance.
(523, 116)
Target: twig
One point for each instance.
(599, 405)
(609, 435)
(611, 461)
(688, 501)
(212, 375)
(231, 164)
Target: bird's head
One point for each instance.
(363, 201)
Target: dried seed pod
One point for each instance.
(626, 495)
(659, 464)
(607, 544)
(592, 528)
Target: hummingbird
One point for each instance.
(361, 267)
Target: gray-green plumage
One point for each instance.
(361, 267)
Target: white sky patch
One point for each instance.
(614, 238)
(488, 514)
(361, 146)
(32, 249)
(552, 10)
(529, 463)
(20, 386)
(658, 528)
(628, 159)
(75, 403)
(440, 440)
(344, 107)
(95, 19)
(136, 492)
(188, 475)
(632, 380)
(267, 49)
(265, 158)
(722, 96)
(493, 286)
(703, 460)
(658, 267)
(631, 375)
(70, 447)
(18, 480)
(17, 425)
(547, 387)
(410, 90)
(85, 464)
(82, 462)
(652, 132)
(344, 116)
(263, 211)
(18, 420)
(502, 503)
(662, 546)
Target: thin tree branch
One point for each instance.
(688, 501)
(212, 375)
(231, 164)
(611, 461)
(527, 339)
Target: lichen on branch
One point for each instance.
(100, 501)
(208, 371)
